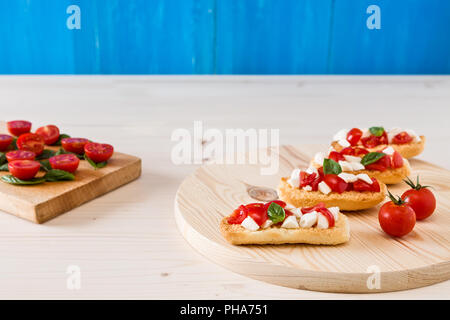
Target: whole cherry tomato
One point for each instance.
(353, 136)
(396, 217)
(402, 138)
(420, 198)
(336, 183)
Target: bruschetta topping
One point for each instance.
(259, 216)
(374, 136)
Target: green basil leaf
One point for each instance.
(13, 180)
(62, 151)
(95, 165)
(45, 165)
(376, 131)
(371, 157)
(276, 213)
(54, 175)
(2, 158)
(61, 136)
(46, 154)
(331, 167)
(4, 167)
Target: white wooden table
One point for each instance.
(126, 242)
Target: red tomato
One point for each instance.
(313, 208)
(66, 162)
(353, 136)
(20, 155)
(98, 152)
(402, 138)
(336, 156)
(381, 165)
(361, 186)
(238, 215)
(24, 169)
(306, 178)
(373, 141)
(31, 142)
(420, 198)
(278, 202)
(396, 219)
(258, 212)
(49, 133)
(18, 127)
(397, 160)
(5, 141)
(327, 214)
(354, 151)
(336, 184)
(75, 145)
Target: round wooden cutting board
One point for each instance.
(370, 262)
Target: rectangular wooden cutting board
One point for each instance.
(40, 203)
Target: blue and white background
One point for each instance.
(224, 37)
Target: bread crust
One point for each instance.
(238, 235)
(389, 176)
(346, 201)
(407, 150)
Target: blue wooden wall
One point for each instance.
(225, 37)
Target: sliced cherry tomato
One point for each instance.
(24, 169)
(238, 215)
(315, 184)
(373, 141)
(396, 219)
(336, 183)
(278, 202)
(306, 178)
(354, 151)
(49, 133)
(361, 186)
(353, 136)
(313, 208)
(402, 138)
(20, 155)
(66, 162)
(397, 160)
(336, 156)
(5, 141)
(75, 145)
(327, 214)
(18, 127)
(31, 142)
(98, 152)
(421, 199)
(381, 164)
(257, 212)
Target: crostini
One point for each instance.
(276, 222)
(328, 184)
(386, 165)
(406, 142)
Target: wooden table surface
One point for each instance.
(126, 243)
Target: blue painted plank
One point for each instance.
(272, 36)
(414, 38)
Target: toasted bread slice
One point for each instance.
(237, 235)
(346, 201)
(407, 150)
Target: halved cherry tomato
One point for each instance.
(396, 219)
(99, 152)
(353, 136)
(49, 133)
(66, 162)
(336, 183)
(397, 160)
(402, 138)
(24, 169)
(20, 155)
(315, 184)
(336, 156)
(18, 127)
(381, 164)
(306, 178)
(354, 151)
(238, 215)
(5, 141)
(373, 141)
(31, 142)
(361, 186)
(75, 145)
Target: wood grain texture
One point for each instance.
(419, 259)
(40, 203)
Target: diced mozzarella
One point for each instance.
(322, 222)
(289, 206)
(347, 177)
(365, 133)
(307, 188)
(318, 158)
(389, 151)
(324, 188)
(312, 170)
(344, 143)
(335, 212)
(345, 165)
(357, 166)
(294, 180)
(340, 135)
(364, 177)
(267, 224)
(352, 158)
(297, 212)
(290, 223)
(308, 219)
(250, 224)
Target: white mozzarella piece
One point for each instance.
(318, 158)
(297, 212)
(347, 177)
(294, 180)
(290, 206)
(290, 223)
(335, 212)
(340, 135)
(308, 219)
(357, 166)
(312, 170)
(389, 151)
(307, 188)
(345, 165)
(324, 188)
(322, 222)
(344, 143)
(413, 134)
(364, 177)
(352, 158)
(267, 224)
(250, 224)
